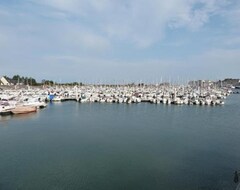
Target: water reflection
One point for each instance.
(5, 118)
(18, 116)
(25, 116)
(119, 146)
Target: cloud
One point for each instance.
(141, 22)
(83, 38)
(232, 41)
(3, 40)
(232, 17)
(211, 64)
(194, 14)
(3, 12)
(214, 64)
(221, 58)
(131, 39)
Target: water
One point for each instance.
(119, 147)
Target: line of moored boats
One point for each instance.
(26, 100)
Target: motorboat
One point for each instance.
(22, 109)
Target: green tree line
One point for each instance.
(17, 79)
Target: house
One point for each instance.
(201, 83)
(5, 81)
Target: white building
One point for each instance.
(4, 81)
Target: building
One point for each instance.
(201, 83)
(4, 81)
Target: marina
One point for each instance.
(25, 98)
(119, 95)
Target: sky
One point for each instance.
(118, 41)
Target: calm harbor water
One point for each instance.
(119, 147)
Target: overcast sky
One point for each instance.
(120, 40)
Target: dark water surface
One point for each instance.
(119, 147)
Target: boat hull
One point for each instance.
(24, 109)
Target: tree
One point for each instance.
(16, 77)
